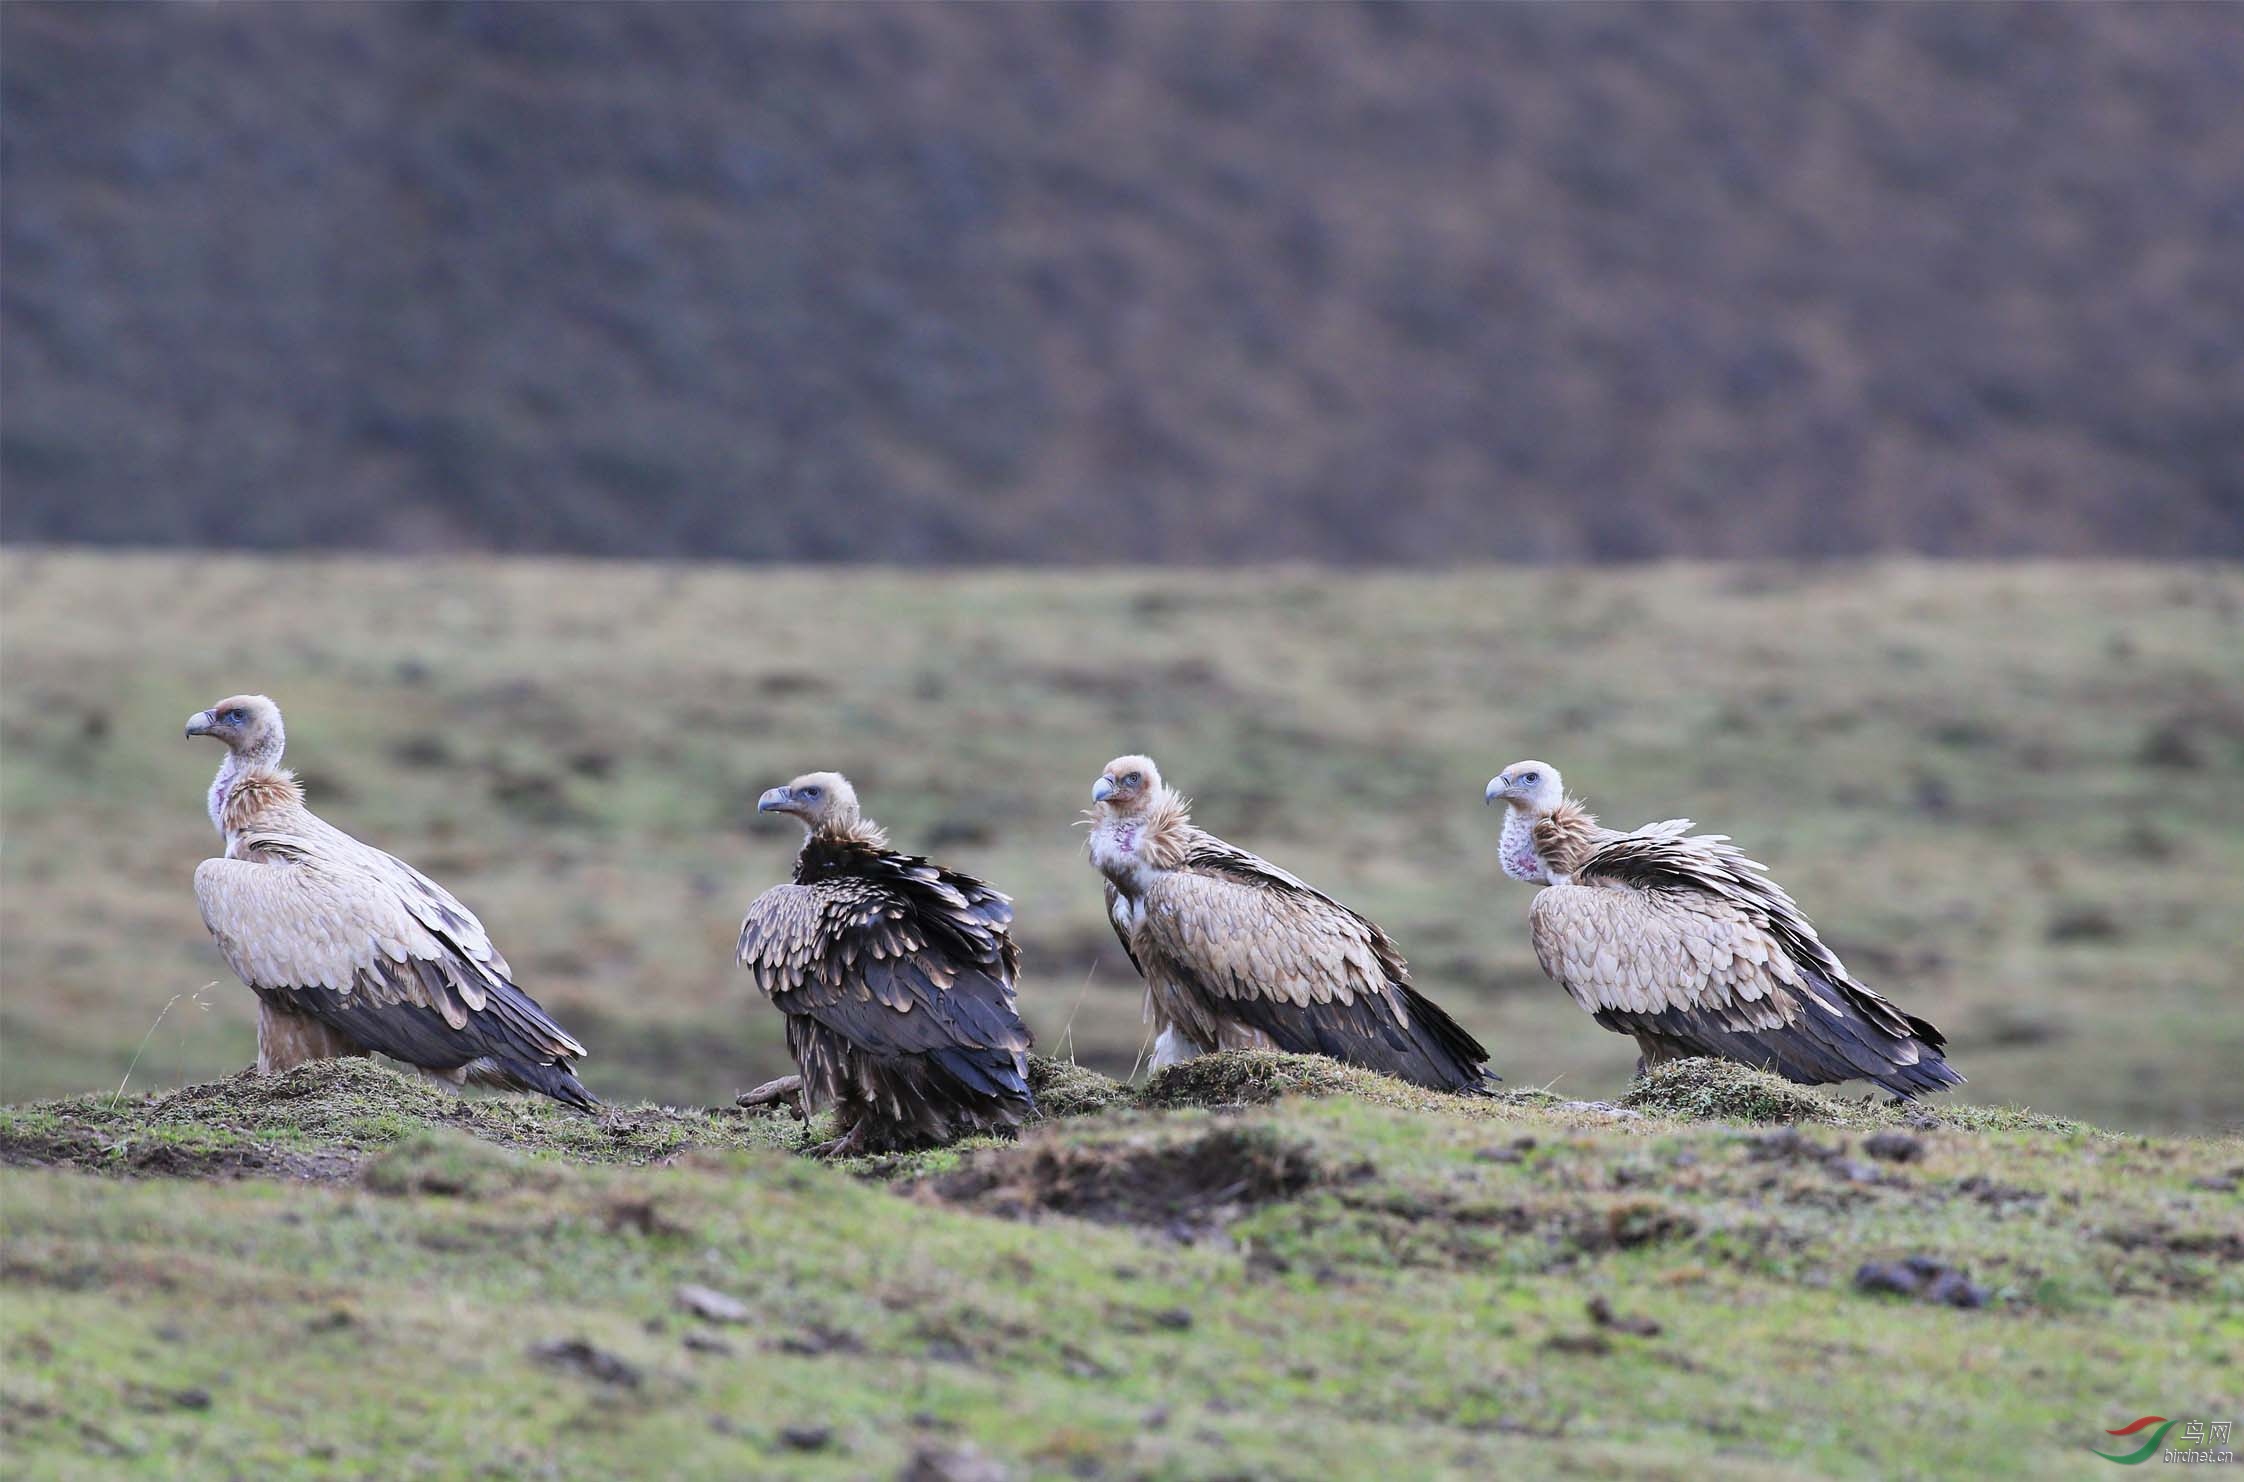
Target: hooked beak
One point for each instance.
(199, 723)
(774, 800)
(1102, 789)
(1496, 786)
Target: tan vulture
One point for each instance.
(1681, 941)
(350, 951)
(896, 977)
(1238, 954)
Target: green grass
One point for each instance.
(1204, 1282)
(2012, 796)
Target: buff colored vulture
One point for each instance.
(896, 977)
(1684, 943)
(350, 951)
(1238, 954)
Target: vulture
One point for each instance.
(1238, 954)
(896, 977)
(1681, 941)
(349, 950)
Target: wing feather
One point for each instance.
(1685, 942)
(897, 957)
(356, 938)
(1229, 938)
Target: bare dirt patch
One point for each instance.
(1186, 1188)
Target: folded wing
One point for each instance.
(1685, 943)
(333, 929)
(914, 961)
(1252, 942)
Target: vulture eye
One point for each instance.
(810, 792)
(1529, 779)
(235, 717)
(1134, 778)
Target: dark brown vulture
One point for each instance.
(1684, 943)
(1238, 954)
(896, 977)
(350, 951)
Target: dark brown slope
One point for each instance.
(1076, 283)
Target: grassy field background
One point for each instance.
(2013, 797)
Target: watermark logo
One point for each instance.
(2200, 1441)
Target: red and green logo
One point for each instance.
(2149, 1448)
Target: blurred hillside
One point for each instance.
(1354, 283)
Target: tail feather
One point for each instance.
(557, 1080)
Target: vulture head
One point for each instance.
(1530, 785)
(250, 725)
(824, 801)
(1127, 785)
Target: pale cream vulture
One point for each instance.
(350, 951)
(1238, 954)
(1684, 943)
(896, 977)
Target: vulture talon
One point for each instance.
(786, 1091)
(848, 1145)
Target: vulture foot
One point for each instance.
(787, 1091)
(849, 1145)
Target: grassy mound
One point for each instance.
(1065, 1089)
(1249, 1078)
(1716, 1090)
(322, 1120)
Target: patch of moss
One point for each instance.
(452, 1164)
(321, 1120)
(1717, 1090)
(1973, 1118)
(1251, 1078)
(1065, 1089)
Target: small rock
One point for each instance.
(1605, 1109)
(1954, 1289)
(191, 1399)
(1786, 1144)
(2084, 923)
(592, 1363)
(711, 1305)
(1588, 1344)
(701, 1342)
(1887, 1276)
(1922, 1278)
(1894, 1147)
(806, 1437)
(952, 1464)
(1176, 1319)
(1853, 1170)
(1601, 1312)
